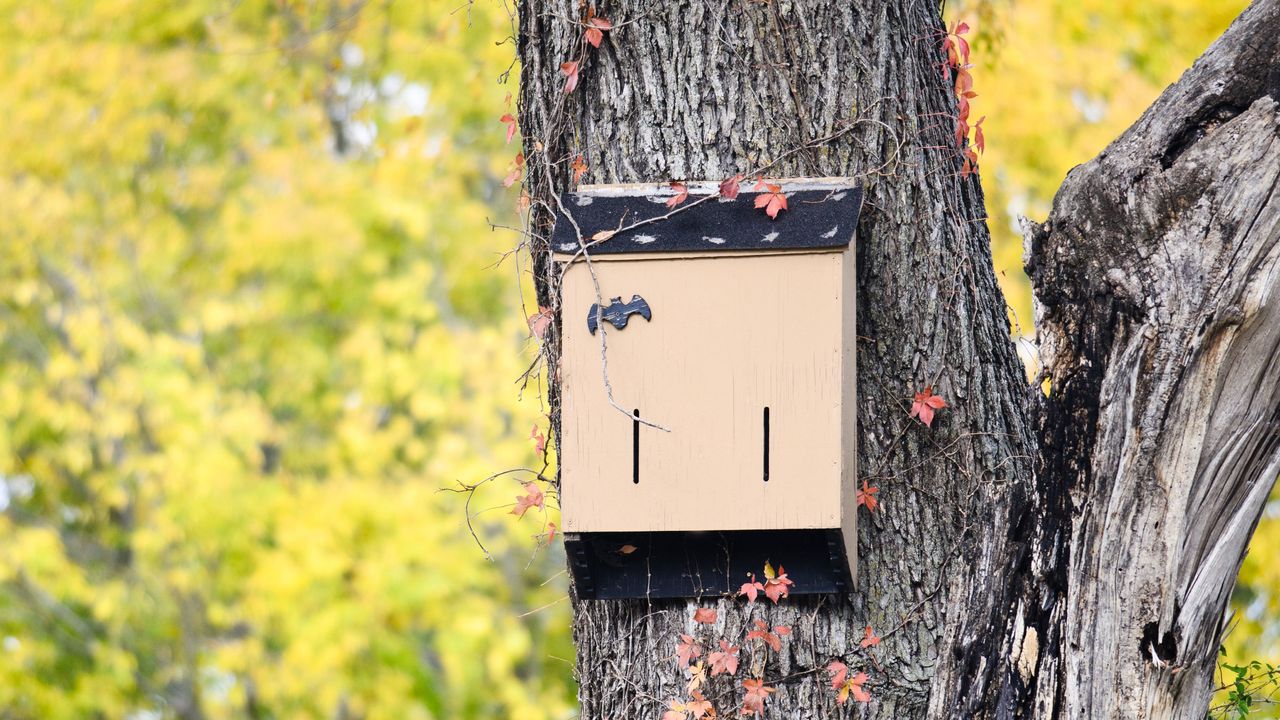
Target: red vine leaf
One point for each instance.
(511, 126)
(627, 549)
(531, 499)
(979, 140)
(695, 709)
(776, 585)
(724, 660)
(854, 686)
(957, 47)
(706, 616)
(682, 194)
(595, 28)
(757, 693)
(579, 168)
(772, 201)
(729, 188)
(750, 588)
(570, 71)
(869, 639)
(538, 324)
(964, 81)
(551, 532)
(926, 402)
(676, 711)
(698, 707)
(867, 496)
(839, 672)
(517, 167)
(539, 441)
(771, 639)
(970, 162)
(687, 650)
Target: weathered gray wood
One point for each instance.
(1009, 574)
(1158, 276)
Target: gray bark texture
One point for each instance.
(1061, 556)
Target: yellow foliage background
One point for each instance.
(253, 324)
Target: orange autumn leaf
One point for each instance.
(595, 28)
(869, 639)
(695, 709)
(839, 673)
(853, 686)
(773, 201)
(751, 588)
(531, 499)
(682, 194)
(867, 496)
(707, 616)
(539, 440)
(729, 188)
(757, 693)
(699, 707)
(777, 584)
(539, 322)
(724, 660)
(579, 168)
(511, 126)
(697, 678)
(687, 650)
(676, 711)
(570, 71)
(770, 638)
(970, 162)
(517, 167)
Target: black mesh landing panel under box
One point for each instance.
(698, 564)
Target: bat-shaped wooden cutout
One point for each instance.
(618, 313)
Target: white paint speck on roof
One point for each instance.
(770, 237)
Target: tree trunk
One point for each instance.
(1069, 556)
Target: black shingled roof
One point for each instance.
(815, 219)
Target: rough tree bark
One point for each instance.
(1068, 556)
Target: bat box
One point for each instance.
(733, 334)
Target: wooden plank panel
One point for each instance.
(729, 337)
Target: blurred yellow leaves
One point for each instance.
(249, 328)
(1057, 81)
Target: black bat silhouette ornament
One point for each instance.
(618, 313)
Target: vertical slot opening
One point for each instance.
(635, 446)
(766, 444)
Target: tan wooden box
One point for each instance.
(746, 362)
